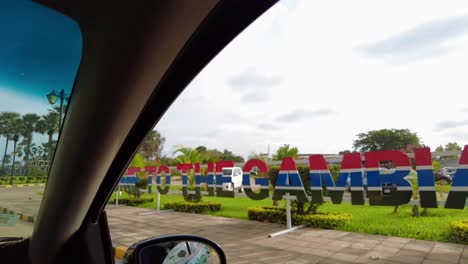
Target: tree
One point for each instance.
(7, 159)
(137, 161)
(211, 155)
(49, 125)
(286, 151)
(259, 156)
(7, 120)
(188, 155)
(386, 139)
(452, 146)
(152, 146)
(15, 130)
(29, 125)
(228, 155)
(440, 148)
(201, 149)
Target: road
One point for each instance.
(23, 199)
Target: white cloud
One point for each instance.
(306, 56)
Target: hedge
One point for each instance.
(459, 231)
(278, 215)
(132, 201)
(22, 179)
(198, 208)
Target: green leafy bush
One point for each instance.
(42, 179)
(278, 215)
(134, 192)
(267, 214)
(198, 208)
(31, 180)
(4, 180)
(459, 231)
(142, 183)
(21, 179)
(322, 220)
(436, 165)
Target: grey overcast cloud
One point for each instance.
(314, 74)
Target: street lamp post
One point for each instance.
(53, 97)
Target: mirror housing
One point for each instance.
(159, 250)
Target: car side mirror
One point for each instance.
(175, 249)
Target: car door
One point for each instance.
(136, 59)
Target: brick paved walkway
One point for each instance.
(247, 241)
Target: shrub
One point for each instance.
(459, 231)
(436, 165)
(31, 180)
(267, 214)
(198, 208)
(132, 201)
(134, 192)
(142, 183)
(4, 180)
(322, 220)
(278, 215)
(21, 179)
(175, 172)
(42, 179)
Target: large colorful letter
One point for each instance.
(351, 167)
(400, 190)
(184, 169)
(263, 182)
(220, 179)
(128, 182)
(151, 170)
(456, 198)
(165, 169)
(208, 179)
(320, 175)
(289, 181)
(426, 183)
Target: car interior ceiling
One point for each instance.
(146, 51)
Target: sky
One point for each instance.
(312, 74)
(40, 51)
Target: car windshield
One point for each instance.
(347, 110)
(40, 51)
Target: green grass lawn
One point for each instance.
(382, 221)
(234, 208)
(365, 219)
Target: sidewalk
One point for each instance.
(247, 241)
(24, 200)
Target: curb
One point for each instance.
(22, 185)
(118, 251)
(23, 216)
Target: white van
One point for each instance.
(236, 176)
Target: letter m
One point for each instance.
(320, 176)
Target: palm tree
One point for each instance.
(188, 155)
(49, 124)
(6, 123)
(15, 133)
(28, 127)
(286, 151)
